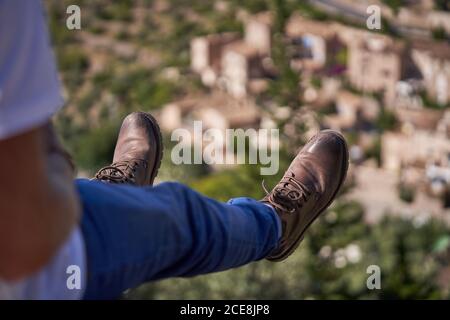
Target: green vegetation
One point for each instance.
(406, 193)
(386, 120)
(316, 82)
(117, 10)
(440, 34)
(394, 4)
(443, 5)
(253, 6)
(431, 103)
(95, 148)
(286, 87)
(342, 56)
(308, 10)
(375, 151)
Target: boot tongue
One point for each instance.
(310, 172)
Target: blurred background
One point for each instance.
(299, 66)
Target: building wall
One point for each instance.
(258, 36)
(418, 147)
(436, 75)
(235, 73)
(374, 70)
(206, 52)
(200, 59)
(439, 19)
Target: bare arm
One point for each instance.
(38, 204)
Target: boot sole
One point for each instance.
(296, 243)
(159, 146)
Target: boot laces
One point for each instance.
(120, 172)
(289, 195)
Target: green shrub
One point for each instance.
(406, 193)
(95, 148)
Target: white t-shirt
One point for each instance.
(29, 88)
(64, 278)
(30, 94)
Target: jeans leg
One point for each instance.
(134, 234)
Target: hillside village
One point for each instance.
(353, 78)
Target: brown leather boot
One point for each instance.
(307, 188)
(138, 152)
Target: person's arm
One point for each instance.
(38, 204)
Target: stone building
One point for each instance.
(258, 32)
(417, 148)
(313, 44)
(206, 55)
(241, 64)
(433, 61)
(377, 64)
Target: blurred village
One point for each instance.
(352, 78)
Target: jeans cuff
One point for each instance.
(245, 200)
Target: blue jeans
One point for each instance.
(139, 234)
